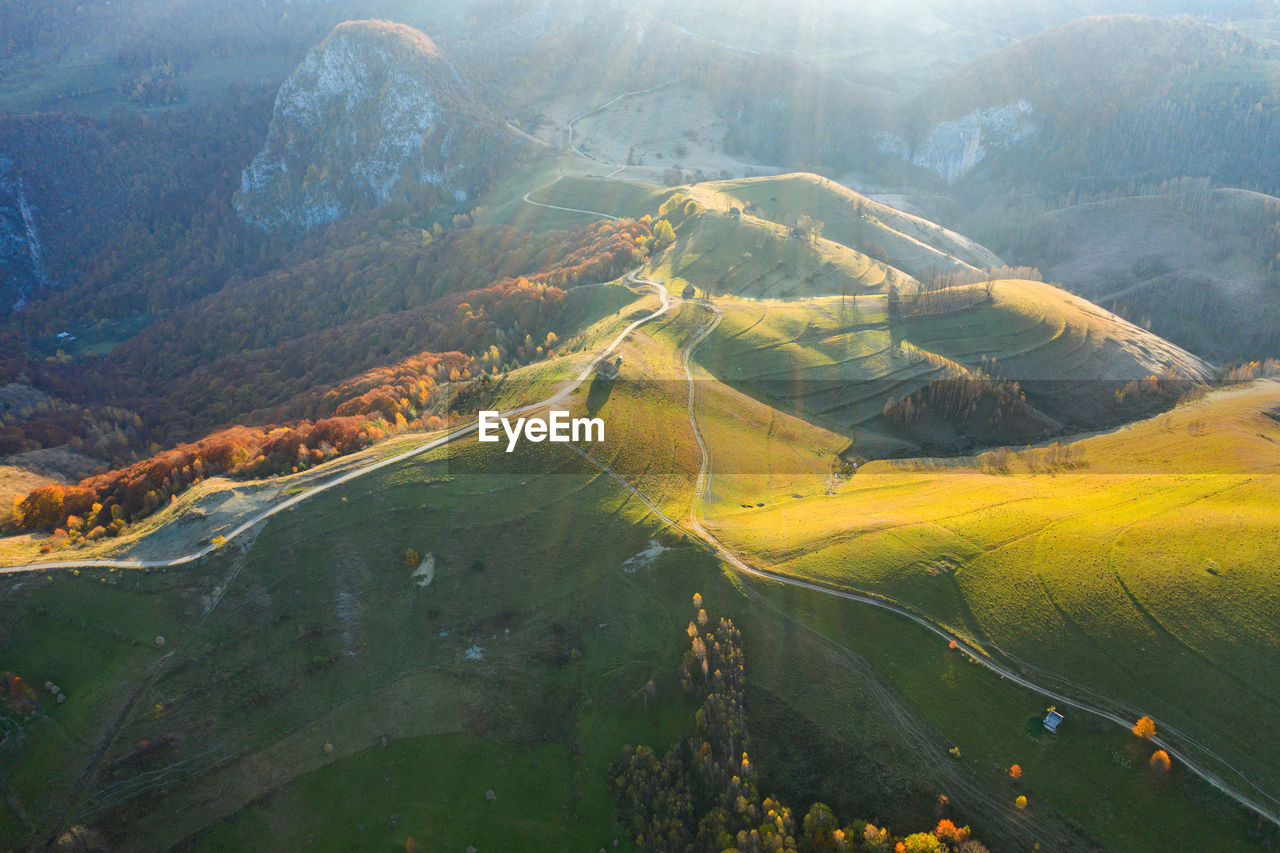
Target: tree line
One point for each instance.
(702, 794)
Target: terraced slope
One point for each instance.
(754, 257)
(1035, 331)
(837, 361)
(840, 361)
(913, 245)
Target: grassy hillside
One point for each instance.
(913, 245)
(900, 241)
(519, 668)
(754, 257)
(524, 658)
(841, 361)
(835, 360)
(1132, 563)
(1035, 331)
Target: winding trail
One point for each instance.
(528, 200)
(569, 127)
(693, 525)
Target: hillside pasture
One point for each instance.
(1133, 563)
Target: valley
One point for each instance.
(1003, 447)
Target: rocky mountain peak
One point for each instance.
(372, 113)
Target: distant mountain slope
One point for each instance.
(75, 190)
(374, 112)
(21, 253)
(1122, 97)
(1199, 266)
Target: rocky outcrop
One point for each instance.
(373, 113)
(953, 148)
(21, 254)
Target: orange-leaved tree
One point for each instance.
(1145, 727)
(946, 830)
(1015, 772)
(1160, 762)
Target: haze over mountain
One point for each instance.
(1109, 99)
(373, 113)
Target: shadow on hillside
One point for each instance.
(598, 395)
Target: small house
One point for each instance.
(1052, 721)
(608, 370)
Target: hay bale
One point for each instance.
(159, 641)
(328, 749)
(490, 795)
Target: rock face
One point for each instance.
(21, 255)
(373, 113)
(953, 148)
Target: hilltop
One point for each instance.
(861, 231)
(915, 245)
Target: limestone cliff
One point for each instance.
(372, 113)
(21, 254)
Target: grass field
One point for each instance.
(1038, 331)
(310, 689)
(359, 654)
(1140, 570)
(912, 246)
(838, 360)
(757, 258)
(359, 651)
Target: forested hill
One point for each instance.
(1106, 100)
(370, 338)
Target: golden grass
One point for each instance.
(757, 258)
(1038, 331)
(1146, 572)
